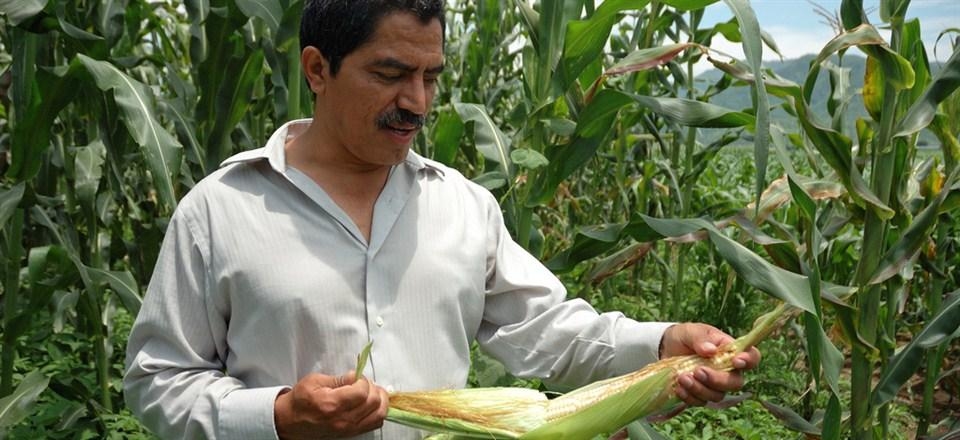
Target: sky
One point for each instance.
(798, 30)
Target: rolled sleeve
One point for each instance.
(637, 344)
(248, 414)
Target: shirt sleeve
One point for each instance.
(530, 327)
(174, 380)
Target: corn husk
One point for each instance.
(600, 408)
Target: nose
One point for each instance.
(414, 96)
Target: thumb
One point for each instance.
(338, 381)
(693, 338)
(707, 340)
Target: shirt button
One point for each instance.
(379, 321)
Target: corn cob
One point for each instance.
(599, 408)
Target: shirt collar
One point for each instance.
(275, 153)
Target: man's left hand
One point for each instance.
(705, 384)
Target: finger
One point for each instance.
(374, 419)
(685, 396)
(317, 380)
(353, 396)
(708, 342)
(346, 379)
(747, 360)
(719, 381)
(699, 386)
(705, 349)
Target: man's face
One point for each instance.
(377, 102)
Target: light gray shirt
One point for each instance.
(263, 279)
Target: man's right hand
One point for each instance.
(329, 407)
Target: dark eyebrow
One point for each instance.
(393, 63)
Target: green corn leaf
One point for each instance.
(564, 160)
(648, 58)
(589, 242)
(446, 134)
(531, 20)
(528, 158)
(288, 35)
(791, 419)
(787, 286)
(851, 13)
(77, 33)
(18, 11)
(88, 166)
(949, 145)
(922, 112)
(803, 200)
(16, 406)
(551, 27)
(269, 11)
(362, 359)
(897, 70)
(753, 50)
(9, 199)
(110, 15)
(490, 141)
(123, 285)
(688, 5)
(912, 49)
(938, 330)
(597, 117)
(45, 260)
(917, 233)
(828, 355)
(160, 149)
(214, 32)
(174, 110)
(47, 93)
(585, 39)
(831, 419)
(694, 113)
(641, 430)
(233, 101)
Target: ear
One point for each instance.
(315, 68)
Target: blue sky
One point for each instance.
(798, 30)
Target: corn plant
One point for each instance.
(115, 108)
(902, 99)
(583, 117)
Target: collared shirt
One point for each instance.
(263, 279)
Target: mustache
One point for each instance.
(400, 115)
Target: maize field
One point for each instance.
(645, 187)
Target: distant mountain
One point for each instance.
(795, 70)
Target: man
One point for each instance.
(279, 267)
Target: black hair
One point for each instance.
(338, 27)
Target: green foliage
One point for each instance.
(588, 124)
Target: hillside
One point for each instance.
(796, 70)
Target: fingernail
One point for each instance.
(709, 346)
(686, 381)
(701, 375)
(681, 393)
(739, 363)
